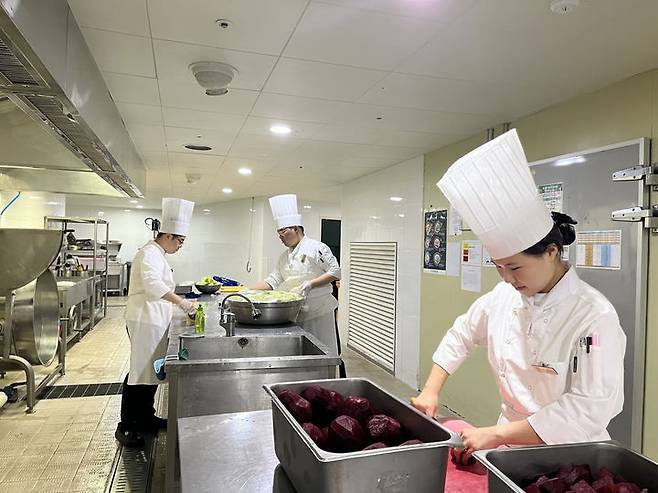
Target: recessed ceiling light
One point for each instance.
(244, 171)
(570, 160)
(194, 147)
(280, 129)
(400, 215)
(53, 203)
(133, 201)
(206, 210)
(374, 217)
(395, 199)
(127, 210)
(227, 190)
(140, 206)
(562, 7)
(100, 213)
(307, 207)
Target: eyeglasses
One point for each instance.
(283, 231)
(179, 239)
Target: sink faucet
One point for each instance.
(227, 318)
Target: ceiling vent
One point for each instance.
(563, 7)
(214, 77)
(192, 178)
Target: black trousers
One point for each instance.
(342, 373)
(137, 405)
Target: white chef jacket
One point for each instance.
(147, 315)
(540, 360)
(306, 261)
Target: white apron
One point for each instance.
(147, 316)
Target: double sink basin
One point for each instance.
(216, 375)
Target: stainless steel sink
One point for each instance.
(248, 347)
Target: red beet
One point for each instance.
(555, 485)
(357, 407)
(316, 434)
(382, 428)
(375, 446)
(326, 403)
(603, 481)
(533, 488)
(582, 486)
(299, 407)
(346, 434)
(626, 488)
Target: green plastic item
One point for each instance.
(199, 322)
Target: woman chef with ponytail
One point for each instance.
(554, 343)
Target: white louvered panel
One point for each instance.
(372, 295)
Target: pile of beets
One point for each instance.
(338, 423)
(580, 479)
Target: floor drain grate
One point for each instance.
(81, 390)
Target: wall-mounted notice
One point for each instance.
(454, 258)
(472, 253)
(472, 278)
(552, 195)
(434, 261)
(598, 249)
(454, 222)
(487, 261)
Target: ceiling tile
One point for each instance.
(258, 167)
(195, 162)
(185, 93)
(334, 34)
(414, 120)
(220, 141)
(140, 114)
(122, 53)
(430, 93)
(296, 108)
(262, 146)
(132, 89)
(173, 60)
(148, 138)
(321, 80)
(177, 117)
(155, 160)
(124, 16)
(261, 126)
(257, 26)
(443, 10)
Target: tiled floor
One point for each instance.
(67, 445)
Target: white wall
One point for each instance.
(29, 208)
(218, 242)
(369, 215)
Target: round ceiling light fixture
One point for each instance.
(214, 77)
(563, 7)
(227, 190)
(280, 129)
(244, 171)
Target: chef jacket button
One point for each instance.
(545, 320)
(502, 373)
(507, 341)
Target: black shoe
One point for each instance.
(129, 438)
(153, 425)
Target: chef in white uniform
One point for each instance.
(149, 309)
(554, 343)
(306, 267)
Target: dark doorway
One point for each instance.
(330, 233)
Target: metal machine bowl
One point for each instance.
(36, 319)
(208, 289)
(271, 313)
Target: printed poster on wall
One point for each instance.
(436, 223)
(472, 253)
(598, 249)
(552, 194)
(454, 222)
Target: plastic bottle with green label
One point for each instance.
(199, 322)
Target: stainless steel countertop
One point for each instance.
(230, 453)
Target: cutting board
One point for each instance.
(462, 480)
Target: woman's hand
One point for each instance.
(427, 403)
(480, 438)
(186, 305)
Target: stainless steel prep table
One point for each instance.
(230, 453)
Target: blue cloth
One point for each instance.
(226, 281)
(159, 367)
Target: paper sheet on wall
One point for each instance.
(487, 261)
(552, 194)
(598, 249)
(453, 258)
(454, 222)
(471, 278)
(472, 253)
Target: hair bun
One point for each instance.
(565, 224)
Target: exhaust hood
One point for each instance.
(60, 130)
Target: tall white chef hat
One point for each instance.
(284, 210)
(493, 190)
(176, 216)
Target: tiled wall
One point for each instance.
(370, 215)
